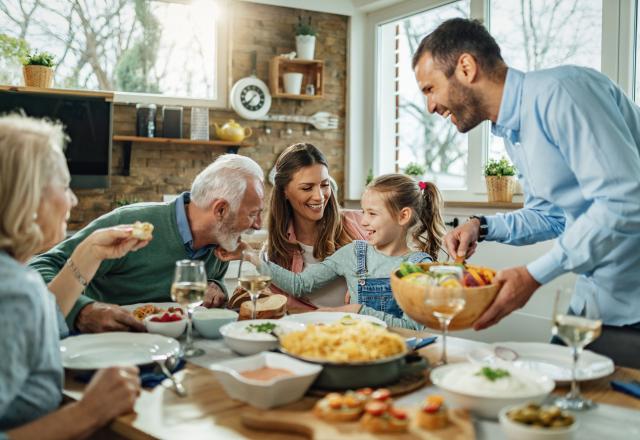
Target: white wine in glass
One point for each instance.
(445, 303)
(576, 331)
(188, 289)
(254, 275)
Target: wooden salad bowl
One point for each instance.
(411, 299)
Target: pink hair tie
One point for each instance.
(422, 185)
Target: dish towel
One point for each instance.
(631, 388)
(149, 376)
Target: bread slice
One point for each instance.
(240, 296)
(270, 307)
(142, 231)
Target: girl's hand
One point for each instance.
(109, 243)
(349, 308)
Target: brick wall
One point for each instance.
(169, 169)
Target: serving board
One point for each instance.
(298, 418)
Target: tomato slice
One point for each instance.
(376, 408)
(398, 413)
(382, 394)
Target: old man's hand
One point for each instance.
(214, 296)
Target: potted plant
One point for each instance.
(37, 69)
(501, 181)
(415, 170)
(305, 39)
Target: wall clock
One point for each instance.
(250, 98)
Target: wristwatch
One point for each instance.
(484, 228)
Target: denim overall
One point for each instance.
(376, 292)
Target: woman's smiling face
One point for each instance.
(308, 192)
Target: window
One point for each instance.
(144, 49)
(538, 34)
(417, 136)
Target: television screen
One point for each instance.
(87, 122)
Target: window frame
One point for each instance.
(618, 63)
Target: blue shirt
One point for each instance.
(185, 230)
(574, 137)
(31, 373)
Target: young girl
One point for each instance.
(397, 212)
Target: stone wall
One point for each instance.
(158, 169)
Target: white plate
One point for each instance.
(330, 318)
(102, 350)
(548, 359)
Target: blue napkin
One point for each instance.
(418, 343)
(631, 388)
(148, 377)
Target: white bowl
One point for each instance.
(243, 342)
(518, 431)
(270, 393)
(209, 321)
(485, 404)
(171, 329)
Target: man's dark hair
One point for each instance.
(455, 37)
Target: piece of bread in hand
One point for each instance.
(270, 307)
(142, 231)
(240, 296)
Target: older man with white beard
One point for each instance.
(226, 199)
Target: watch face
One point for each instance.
(252, 97)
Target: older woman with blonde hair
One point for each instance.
(35, 200)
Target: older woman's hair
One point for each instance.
(226, 178)
(31, 158)
(331, 233)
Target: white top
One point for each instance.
(330, 295)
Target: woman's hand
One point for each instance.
(111, 393)
(109, 243)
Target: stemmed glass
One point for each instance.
(188, 289)
(446, 303)
(254, 275)
(576, 331)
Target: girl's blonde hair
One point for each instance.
(401, 191)
(31, 158)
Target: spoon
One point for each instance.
(167, 365)
(506, 354)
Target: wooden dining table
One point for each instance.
(207, 412)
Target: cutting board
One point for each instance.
(299, 419)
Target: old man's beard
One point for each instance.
(225, 236)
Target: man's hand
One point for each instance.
(112, 392)
(349, 308)
(517, 286)
(463, 240)
(100, 317)
(214, 296)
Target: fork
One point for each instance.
(177, 385)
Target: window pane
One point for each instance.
(537, 34)
(143, 46)
(422, 138)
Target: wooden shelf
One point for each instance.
(312, 71)
(232, 147)
(108, 96)
(158, 140)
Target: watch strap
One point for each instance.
(484, 228)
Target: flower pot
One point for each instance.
(292, 83)
(37, 76)
(500, 188)
(305, 46)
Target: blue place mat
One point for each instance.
(148, 377)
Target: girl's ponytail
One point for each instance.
(430, 228)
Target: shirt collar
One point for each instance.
(508, 123)
(181, 217)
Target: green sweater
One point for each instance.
(142, 276)
(343, 264)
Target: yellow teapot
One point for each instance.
(232, 131)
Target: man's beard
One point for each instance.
(465, 105)
(226, 238)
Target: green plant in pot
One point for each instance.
(501, 181)
(415, 170)
(37, 69)
(305, 39)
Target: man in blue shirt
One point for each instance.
(574, 136)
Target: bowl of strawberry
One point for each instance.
(169, 323)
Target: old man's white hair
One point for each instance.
(226, 178)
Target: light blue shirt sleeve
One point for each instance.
(603, 155)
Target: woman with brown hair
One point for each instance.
(306, 223)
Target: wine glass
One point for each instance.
(188, 289)
(576, 330)
(254, 275)
(446, 303)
